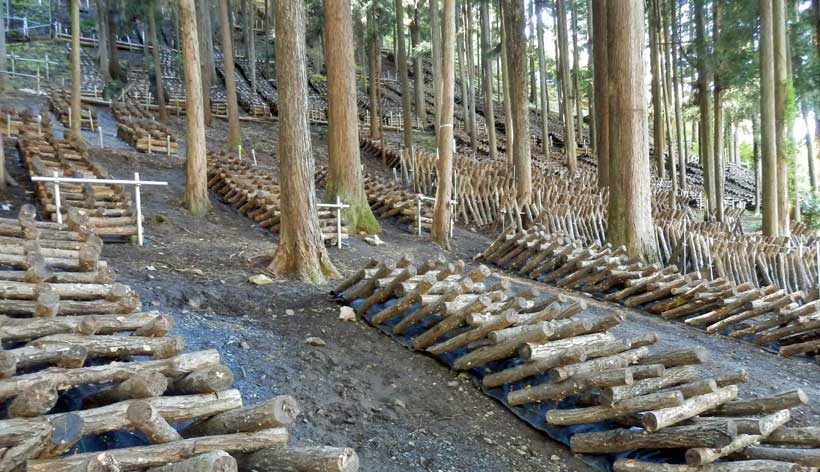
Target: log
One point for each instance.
(534, 351)
(713, 435)
(278, 411)
(497, 322)
(670, 377)
(141, 385)
(668, 416)
(208, 380)
(760, 406)
(558, 390)
(404, 303)
(149, 323)
(678, 358)
(216, 461)
(806, 457)
(135, 458)
(303, 459)
(146, 418)
(805, 436)
(594, 414)
(632, 465)
(700, 456)
(601, 364)
(528, 369)
(39, 398)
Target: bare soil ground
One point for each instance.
(402, 411)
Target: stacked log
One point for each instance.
(250, 101)
(105, 208)
(74, 336)
(59, 104)
(568, 374)
(14, 123)
(253, 191)
(138, 128)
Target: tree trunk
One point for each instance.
(441, 213)
(600, 79)
(375, 69)
(344, 166)
(804, 109)
(470, 63)
(659, 141)
(103, 50)
(756, 155)
(3, 184)
(576, 75)
(487, 81)
(415, 38)
(570, 147)
(465, 102)
(206, 55)
(234, 136)
(404, 79)
(2, 50)
(705, 145)
(515, 20)
(505, 73)
(435, 32)
(152, 26)
(546, 142)
(301, 253)
(250, 41)
(782, 127)
(533, 97)
(768, 149)
(117, 72)
(593, 122)
(630, 208)
(680, 126)
(196, 178)
(671, 136)
(720, 167)
(76, 76)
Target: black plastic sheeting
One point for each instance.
(532, 413)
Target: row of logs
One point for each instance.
(138, 128)
(59, 103)
(766, 316)
(253, 191)
(72, 336)
(628, 393)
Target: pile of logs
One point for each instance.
(107, 208)
(765, 315)
(565, 372)
(60, 104)
(247, 99)
(139, 129)
(92, 84)
(254, 193)
(14, 122)
(80, 361)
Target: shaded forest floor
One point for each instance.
(401, 411)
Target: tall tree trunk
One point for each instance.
(533, 89)
(679, 124)
(487, 81)
(196, 172)
(505, 85)
(3, 183)
(570, 147)
(630, 208)
(804, 109)
(666, 66)
(546, 142)
(404, 78)
(2, 50)
(250, 41)
(515, 20)
(658, 134)
(470, 64)
(720, 167)
(705, 104)
(206, 55)
(103, 48)
(756, 155)
(768, 131)
(576, 75)
(76, 76)
(234, 136)
(344, 165)
(593, 122)
(301, 253)
(375, 70)
(600, 79)
(435, 32)
(782, 127)
(117, 72)
(152, 26)
(444, 191)
(462, 77)
(418, 75)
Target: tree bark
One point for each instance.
(809, 148)
(630, 210)
(576, 75)
(234, 136)
(250, 41)
(206, 55)
(705, 147)
(517, 56)
(570, 146)
(487, 81)
(2, 51)
(718, 153)
(600, 79)
(768, 149)
(196, 169)
(782, 89)
(505, 81)
(375, 69)
(103, 48)
(435, 32)
(116, 70)
(679, 124)
(659, 141)
(407, 115)
(470, 65)
(344, 165)
(441, 212)
(546, 143)
(301, 252)
(76, 76)
(152, 25)
(415, 38)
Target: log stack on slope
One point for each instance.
(80, 362)
(563, 369)
(139, 129)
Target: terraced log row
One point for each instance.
(108, 207)
(250, 101)
(80, 363)
(59, 103)
(254, 193)
(14, 122)
(139, 129)
(626, 402)
(788, 321)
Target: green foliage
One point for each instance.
(810, 210)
